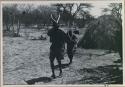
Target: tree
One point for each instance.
(44, 15)
(26, 14)
(11, 17)
(85, 18)
(115, 10)
(71, 11)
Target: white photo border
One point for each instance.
(61, 1)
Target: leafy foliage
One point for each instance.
(100, 34)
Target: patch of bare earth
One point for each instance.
(25, 60)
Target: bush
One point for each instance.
(100, 33)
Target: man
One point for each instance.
(71, 46)
(58, 39)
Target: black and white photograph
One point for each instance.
(62, 43)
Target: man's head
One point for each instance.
(55, 25)
(55, 22)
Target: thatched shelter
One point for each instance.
(100, 33)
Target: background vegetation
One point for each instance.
(104, 32)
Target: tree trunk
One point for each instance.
(18, 28)
(13, 30)
(7, 27)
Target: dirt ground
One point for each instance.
(26, 61)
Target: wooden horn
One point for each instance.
(53, 18)
(58, 19)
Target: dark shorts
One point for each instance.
(58, 54)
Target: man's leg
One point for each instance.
(70, 55)
(60, 65)
(52, 57)
(52, 68)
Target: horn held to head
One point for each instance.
(53, 18)
(58, 18)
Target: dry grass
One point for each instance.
(29, 59)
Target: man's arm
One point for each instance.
(67, 39)
(50, 32)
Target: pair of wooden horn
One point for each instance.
(56, 21)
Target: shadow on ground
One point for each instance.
(40, 79)
(111, 75)
(45, 79)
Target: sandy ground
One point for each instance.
(28, 60)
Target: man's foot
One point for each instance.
(70, 62)
(60, 75)
(53, 76)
